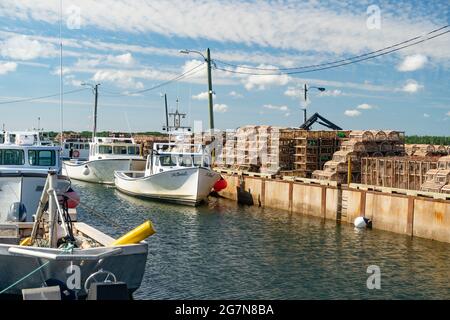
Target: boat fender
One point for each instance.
(220, 184)
(86, 170)
(136, 235)
(362, 222)
(73, 198)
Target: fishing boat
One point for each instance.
(174, 172)
(106, 155)
(75, 148)
(24, 164)
(70, 257)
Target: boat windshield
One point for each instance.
(11, 157)
(104, 149)
(166, 161)
(44, 158)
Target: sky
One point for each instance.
(132, 45)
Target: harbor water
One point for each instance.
(222, 250)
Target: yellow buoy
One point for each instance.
(136, 235)
(26, 242)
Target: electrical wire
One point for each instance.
(336, 63)
(41, 97)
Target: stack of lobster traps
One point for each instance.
(360, 144)
(438, 180)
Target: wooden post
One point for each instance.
(52, 211)
(349, 171)
(410, 221)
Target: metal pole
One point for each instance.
(306, 100)
(167, 112)
(94, 131)
(52, 207)
(210, 90)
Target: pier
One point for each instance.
(408, 212)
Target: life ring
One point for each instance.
(76, 153)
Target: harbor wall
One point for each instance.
(411, 214)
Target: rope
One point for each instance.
(67, 249)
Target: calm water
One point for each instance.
(226, 251)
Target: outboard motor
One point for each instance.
(17, 212)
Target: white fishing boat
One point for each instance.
(175, 172)
(75, 148)
(24, 164)
(106, 155)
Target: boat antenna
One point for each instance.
(61, 92)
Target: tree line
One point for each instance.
(438, 140)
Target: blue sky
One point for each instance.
(129, 46)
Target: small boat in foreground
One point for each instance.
(106, 155)
(175, 172)
(67, 256)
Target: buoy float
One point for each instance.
(220, 185)
(86, 170)
(136, 235)
(361, 223)
(73, 198)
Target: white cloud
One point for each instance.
(292, 92)
(266, 24)
(120, 78)
(426, 115)
(202, 96)
(24, 48)
(235, 94)
(331, 93)
(279, 108)
(448, 114)
(411, 86)
(123, 59)
(221, 108)
(7, 67)
(413, 62)
(263, 81)
(364, 106)
(352, 113)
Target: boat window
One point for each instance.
(120, 150)
(81, 146)
(104, 149)
(66, 146)
(185, 161)
(11, 157)
(166, 161)
(134, 150)
(43, 158)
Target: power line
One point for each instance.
(336, 63)
(41, 97)
(179, 77)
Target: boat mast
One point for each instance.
(61, 74)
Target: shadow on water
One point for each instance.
(222, 250)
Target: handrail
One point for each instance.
(62, 257)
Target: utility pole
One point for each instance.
(167, 111)
(210, 91)
(207, 59)
(305, 89)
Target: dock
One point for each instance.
(409, 212)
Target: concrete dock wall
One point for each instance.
(400, 213)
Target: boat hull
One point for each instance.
(102, 170)
(185, 186)
(128, 266)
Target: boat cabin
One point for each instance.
(114, 148)
(37, 138)
(171, 156)
(77, 148)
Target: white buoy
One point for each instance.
(86, 170)
(360, 222)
